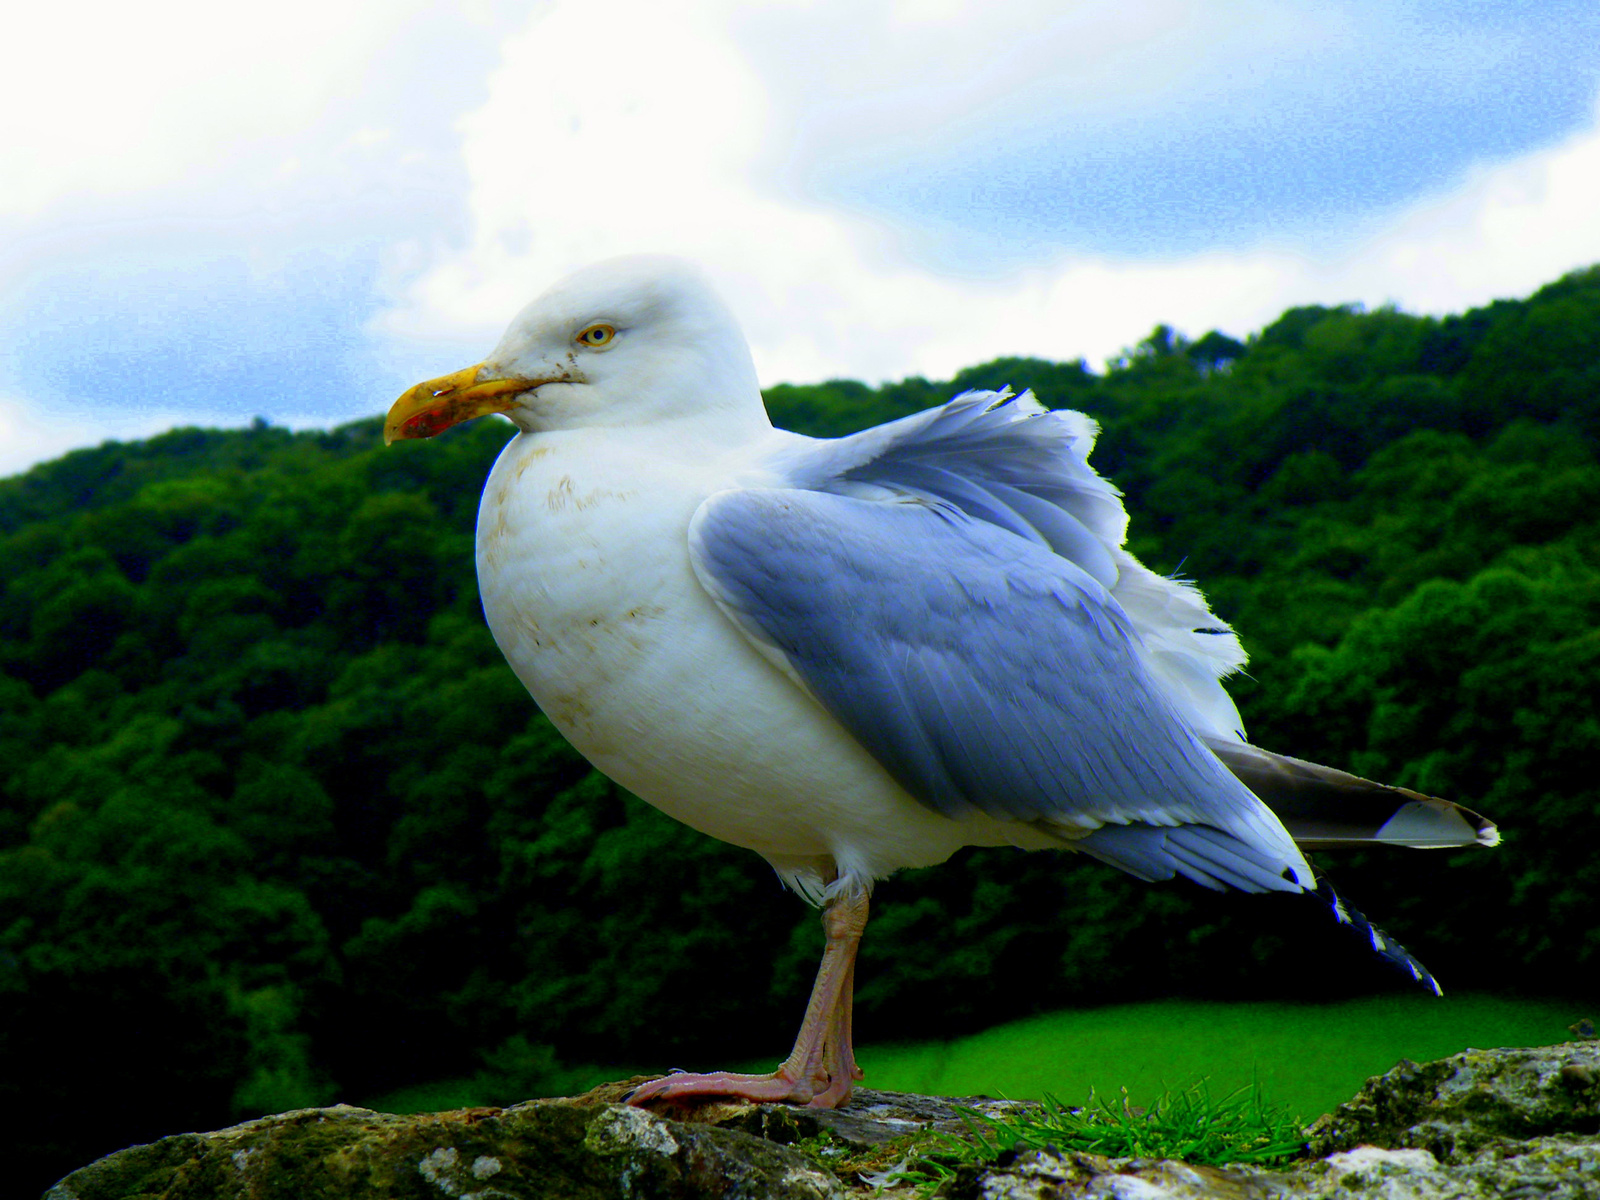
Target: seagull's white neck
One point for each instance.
(718, 427)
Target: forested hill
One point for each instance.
(279, 827)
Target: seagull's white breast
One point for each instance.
(584, 568)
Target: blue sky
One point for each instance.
(1303, 130)
(293, 213)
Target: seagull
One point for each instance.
(861, 654)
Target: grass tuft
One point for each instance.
(1189, 1125)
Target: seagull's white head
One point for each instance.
(630, 341)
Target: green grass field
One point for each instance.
(1307, 1058)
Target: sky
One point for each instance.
(214, 213)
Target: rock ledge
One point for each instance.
(1523, 1122)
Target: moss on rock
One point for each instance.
(540, 1149)
(1484, 1122)
(1460, 1104)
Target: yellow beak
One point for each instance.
(435, 405)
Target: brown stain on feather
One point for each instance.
(531, 455)
(565, 495)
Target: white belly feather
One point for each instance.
(584, 569)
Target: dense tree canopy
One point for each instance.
(278, 827)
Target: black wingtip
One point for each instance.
(1379, 942)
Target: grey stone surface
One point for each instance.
(1456, 1105)
(535, 1150)
(1521, 1123)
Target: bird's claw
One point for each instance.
(777, 1088)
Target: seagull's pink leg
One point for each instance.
(821, 1069)
(838, 1064)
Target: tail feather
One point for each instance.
(1211, 857)
(1323, 808)
(1381, 944)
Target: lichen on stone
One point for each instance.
(621, 1130)
(1513, 1122)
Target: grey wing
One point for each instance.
(985, 671)
(1006, 461)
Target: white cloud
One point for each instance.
(116, 97)
(1507, 230)
(650, 135)
(861, 80)
(696, 127)
(29, 434)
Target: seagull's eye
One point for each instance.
(597, 335)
